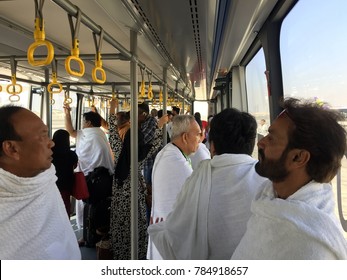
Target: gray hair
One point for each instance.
(181, 124)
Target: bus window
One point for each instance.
(313, 55)
(257, 95)
(23, 96)
(58, 116)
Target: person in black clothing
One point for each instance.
(65, 161)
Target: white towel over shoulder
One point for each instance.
(33, 220)
(303, 226)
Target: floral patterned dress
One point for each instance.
(120, 230)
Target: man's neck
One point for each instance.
(290, 186)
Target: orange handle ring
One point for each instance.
(94, 75)
(150, 92)
(67, 100)
(80, 64)
(43, 62)
(14, 91)
(51, 89)
(14, 98)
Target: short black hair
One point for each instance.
(7, 130)
(233, 132)
(176, 109)
(144, 107)
(160, 113)
(94, 118)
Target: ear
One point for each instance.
(10, 149)
(300, 157)
(185, 137)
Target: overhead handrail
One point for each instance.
(98, 61)
(72, 9)
(75, 51)
(40, 39)
(14, 89)
(67, 99)
(54, 86)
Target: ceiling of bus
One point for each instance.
(179, 35)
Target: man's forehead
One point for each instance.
(281, 125)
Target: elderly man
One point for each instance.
(293, 217)
(171, 168)
(211, 212)
(33, 220)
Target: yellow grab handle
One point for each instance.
(67, 100)
(75, 52)
(80, 64)
(51, 88)
(43, 62)
(150, 92)
(103, 75)
(39, 36)
(0, 88)
(14, 91)
(14, 85)
(98, 68)
(14, 98)
(55, 83)
(143, 93)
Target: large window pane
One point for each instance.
(257, 94)
(313, 54)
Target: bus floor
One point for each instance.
(86, 252)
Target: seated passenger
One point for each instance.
(210, 215)
(293, 217)
(171, 168)
(33, 220)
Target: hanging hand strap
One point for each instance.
(40, 39)
(75, 51)
(98, 61)
(14, 89)
(54, 86)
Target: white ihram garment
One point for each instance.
(33, 220)
(201, 154)
(211, 212)
(301, 227)
(170, 170)
(93, 150)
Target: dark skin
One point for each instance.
(33, 153)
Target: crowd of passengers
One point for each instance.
(200, 196)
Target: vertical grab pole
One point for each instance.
(164, 103)
(134, 181)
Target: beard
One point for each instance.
(274, 170)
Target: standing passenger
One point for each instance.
(121, 189)
(293, 217)
(93, 151)
(171, 168)
(210, 215)
(33, 221)
(65, 161)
